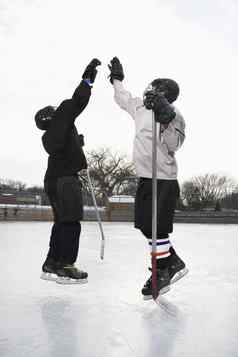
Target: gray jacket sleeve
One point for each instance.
(173, 136)
(124, 98)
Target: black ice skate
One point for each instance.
(177, 268)
(163, 284)
(49, 270)
(69, 274)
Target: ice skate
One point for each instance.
(176, 268)
(49, 269)
(163, 284)
(69, 274)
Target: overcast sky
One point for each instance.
(46, 44)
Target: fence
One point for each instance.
(40, 213)
(115, 213)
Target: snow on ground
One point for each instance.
(107, 317)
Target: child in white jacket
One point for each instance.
(170, 137)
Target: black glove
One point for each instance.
(116, 69)
(164, 112)
(90, 71)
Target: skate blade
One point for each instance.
(147, 297)
(180, 274)
(48, 276)
(162, 292)
(69, 281)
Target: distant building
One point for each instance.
(8, 199)
(21, 198)
(120, 208)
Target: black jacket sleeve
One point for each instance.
(55, 137)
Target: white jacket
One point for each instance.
(169, 140)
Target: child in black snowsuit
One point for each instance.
(66, 158)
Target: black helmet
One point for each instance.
(168, 86)
(44, 116)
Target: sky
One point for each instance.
(46, 45)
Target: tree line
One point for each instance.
(209, 191)
(113, 174)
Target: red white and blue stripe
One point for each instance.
(162, 247)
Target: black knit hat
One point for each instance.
(44, 116)
(169, 86)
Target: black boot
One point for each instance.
(163, 283)
(176, 268)
(69, 274)
(49, 269)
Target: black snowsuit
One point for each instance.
(66, 158)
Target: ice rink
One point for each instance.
(108, 317)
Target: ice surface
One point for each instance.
(107, 317)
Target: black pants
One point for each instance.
(167, 195)
(65, 196)
(64, 242)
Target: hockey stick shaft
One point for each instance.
(98, 216)
(154, 208)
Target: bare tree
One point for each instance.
(110, 173)
(213, 187)
(202, 191)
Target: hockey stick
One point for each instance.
(97, 214)
(155, 292)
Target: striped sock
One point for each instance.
(162, 248)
